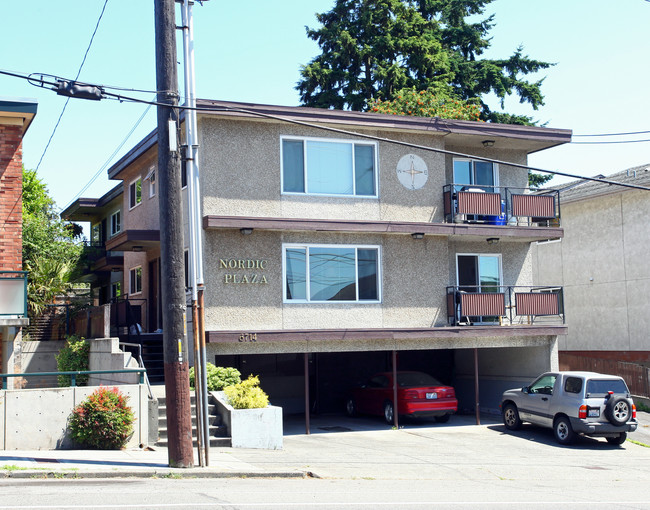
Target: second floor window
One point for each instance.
(329, 167)
(321, 273)
(135, 193)
(152, 183)
(96, 234)
(116, 223)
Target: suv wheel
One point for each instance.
(618, 410)
(620, 439)
(511, 417)
(563, 431)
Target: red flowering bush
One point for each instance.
(102, 421)
(427, 103)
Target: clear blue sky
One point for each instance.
(251, 51)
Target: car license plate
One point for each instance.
(593, 412)
(432, 395)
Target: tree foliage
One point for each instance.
(427, 103)
(372, 49)
(50, 250)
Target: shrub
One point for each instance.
(247, 394)
(73, 356)
(218, 377)
(102, 421)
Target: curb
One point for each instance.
(165, 473)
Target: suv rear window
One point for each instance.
(602, 386)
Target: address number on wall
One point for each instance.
(248, 337)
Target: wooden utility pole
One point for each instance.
(177, 384)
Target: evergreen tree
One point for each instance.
(375, 48)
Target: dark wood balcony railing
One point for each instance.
(496, 205)
(470, 305)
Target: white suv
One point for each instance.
(573, 403)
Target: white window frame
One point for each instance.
(495, 169)
(351, 141)
(133, 182)
(306, 246)
(115, 232)
(151, 177)
(135, 270)
(498, 255)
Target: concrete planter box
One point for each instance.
(251, 428)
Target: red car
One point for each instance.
(418, 394)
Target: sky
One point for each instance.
(252, 52)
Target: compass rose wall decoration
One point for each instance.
(412, 171)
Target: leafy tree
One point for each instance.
(375, 48)
(427, 103)
(50, 253)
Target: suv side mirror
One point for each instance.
(524, 389)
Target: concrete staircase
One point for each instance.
(218, 432)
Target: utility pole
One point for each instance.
(177, 385)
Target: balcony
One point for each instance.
(496, 205)
(97, 259)
(13, 297)
(504, 305)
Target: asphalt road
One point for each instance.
(363, 464)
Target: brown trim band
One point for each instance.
(324, 335)
(214, 222)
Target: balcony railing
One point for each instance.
(506, 305)
(13, 293)
(497, 205)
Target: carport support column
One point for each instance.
(395, 410)
(306, 362)
(477, 406)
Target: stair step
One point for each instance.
(215, 442)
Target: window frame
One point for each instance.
(134, 271)
(350, 141)
(357, 247)
(151, 177)
(116, 290)
(134, 183)
(113, 214)
(479, 255)
(495, 172)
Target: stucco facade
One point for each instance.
(253, 222)
(602, 264)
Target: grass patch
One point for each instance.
(639, 443)
(13, 467)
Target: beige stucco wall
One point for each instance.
(602, 264)
(145, 215)
(230, 150)
(414, 275)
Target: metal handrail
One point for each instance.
(141, 363)
(74, 373)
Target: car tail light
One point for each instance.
(582, 412)
(411, 394)
(633, 412)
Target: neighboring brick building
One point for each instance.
(15, 117)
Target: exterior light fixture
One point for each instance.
(492, 240)
(488, 143)
(137, 248)
(246, 231)
(417, 235)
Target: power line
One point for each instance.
(119, 97)
(110, 158)
(612, 141)
(618, 134)
(68, 99)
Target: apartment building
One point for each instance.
(337, 241)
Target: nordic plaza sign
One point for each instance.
(243, 271)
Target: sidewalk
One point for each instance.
(337, 447)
